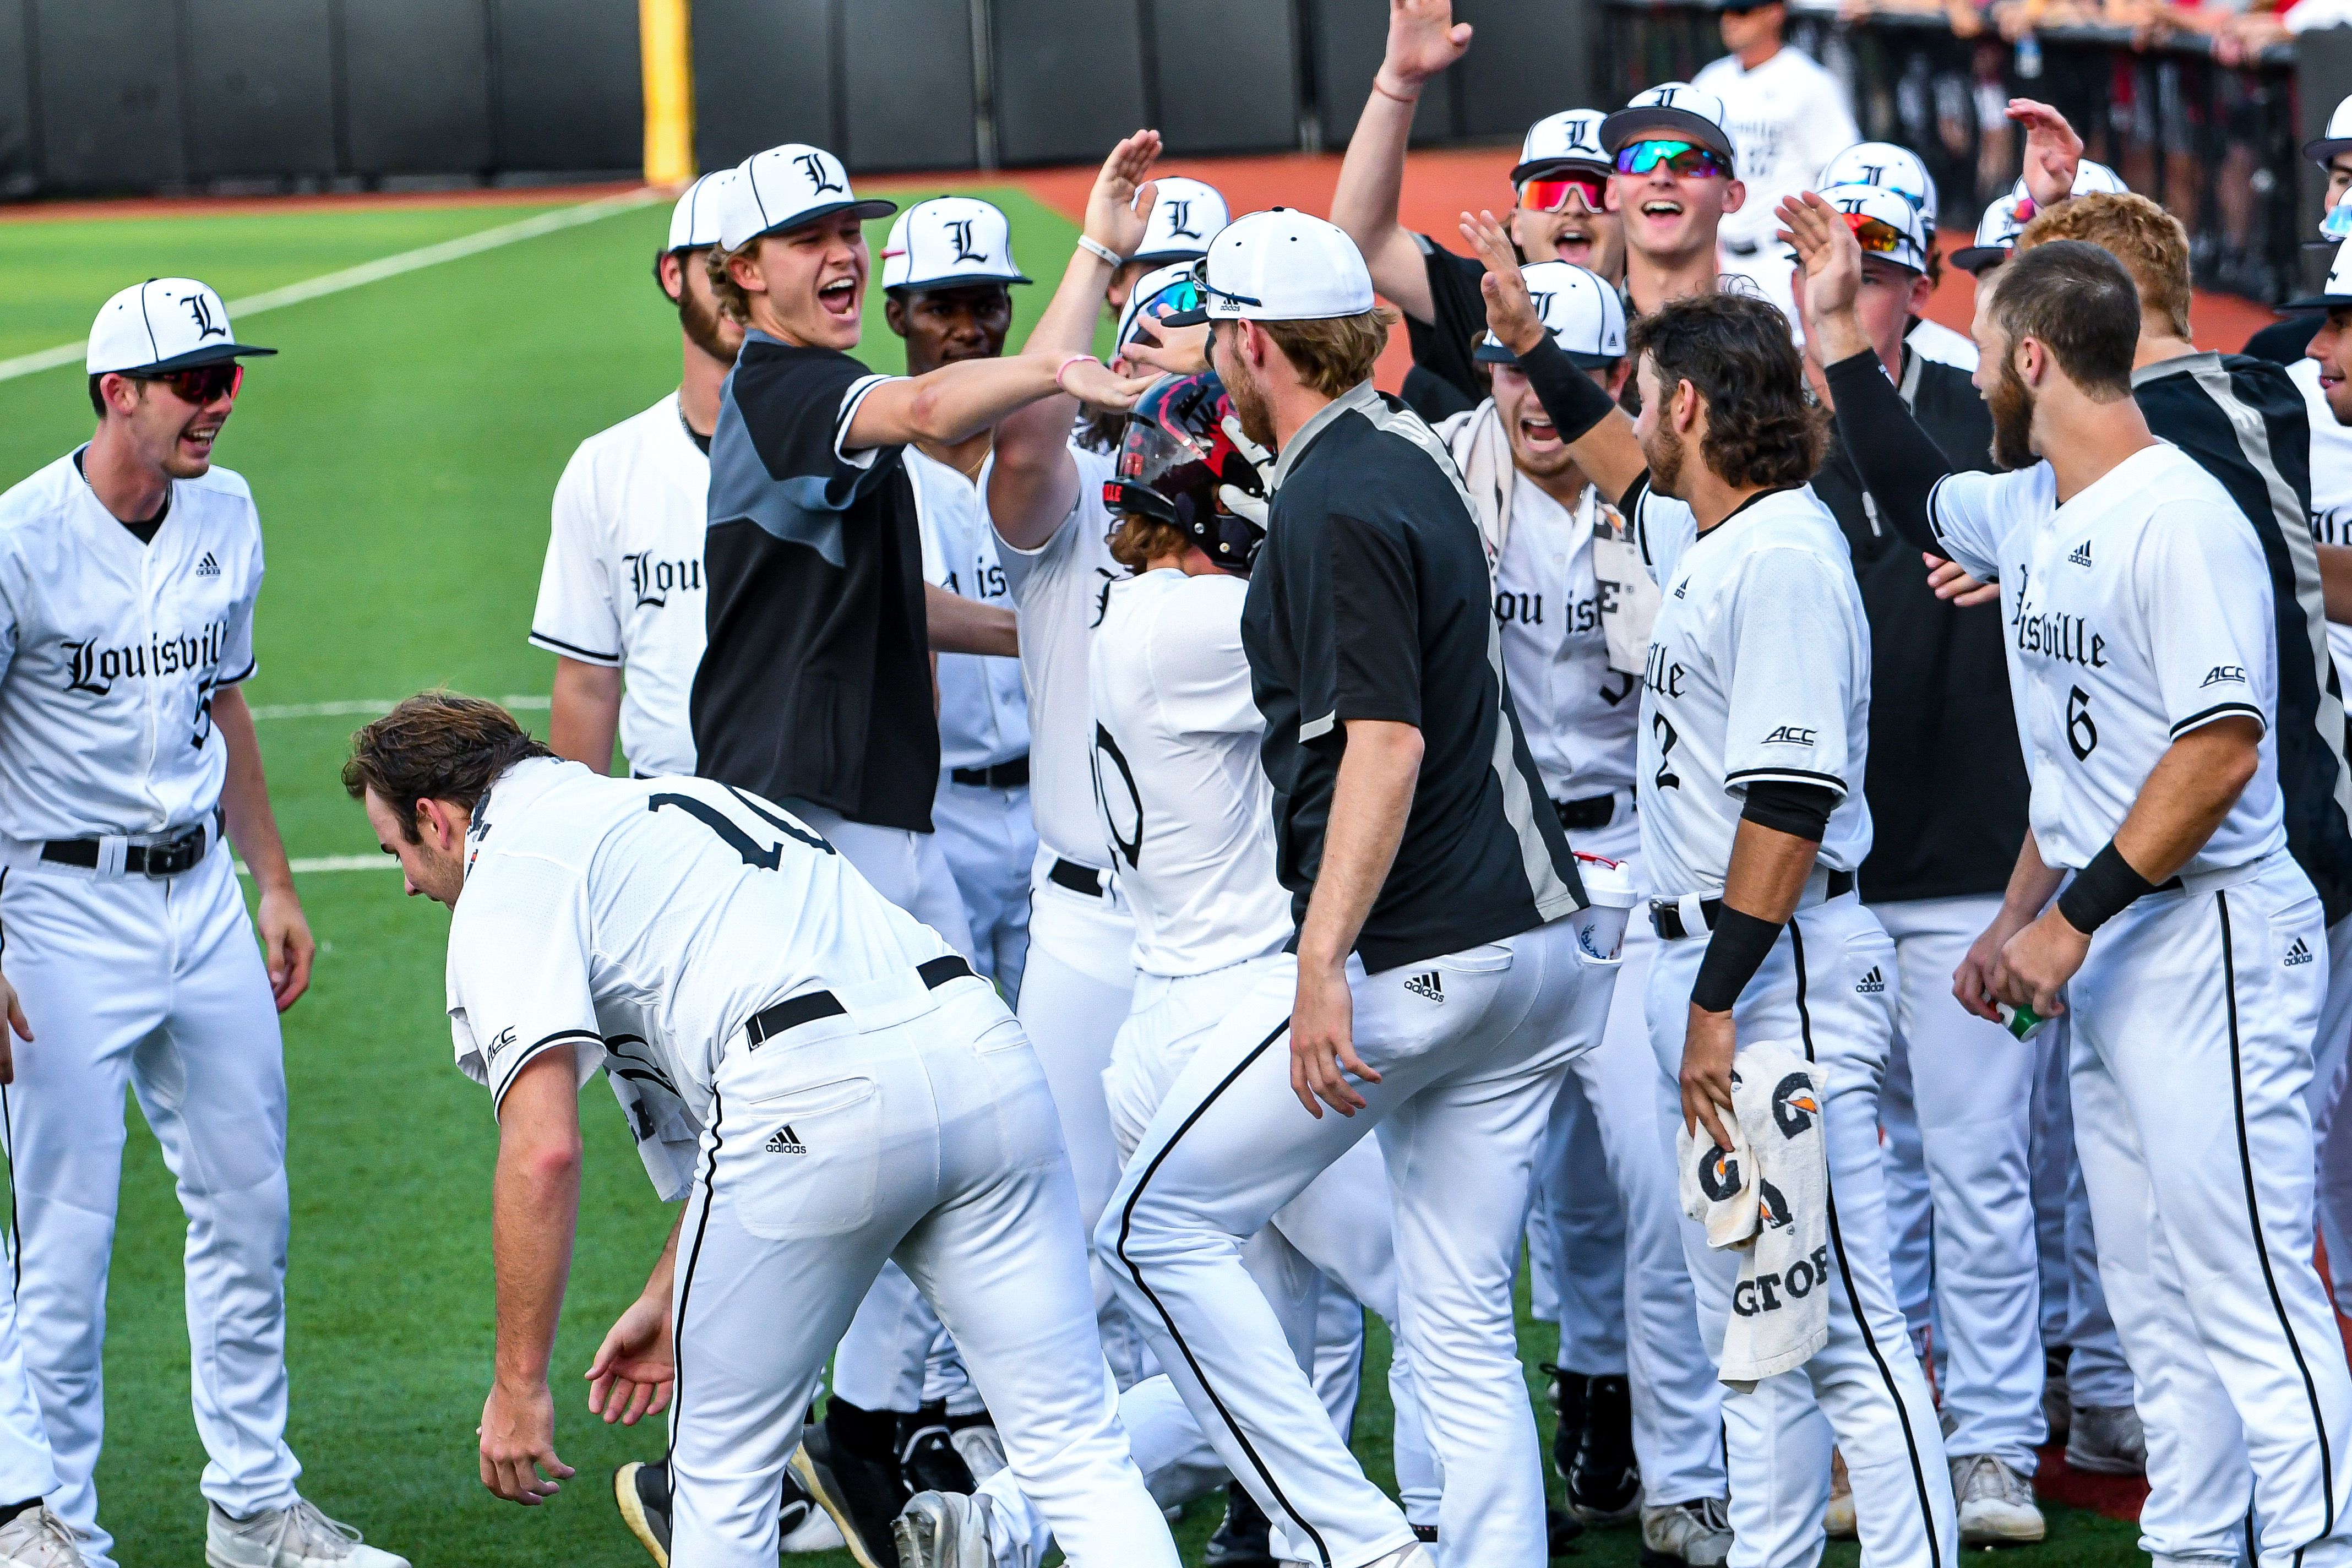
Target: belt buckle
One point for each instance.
(176, 855)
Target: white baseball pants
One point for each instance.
(2097, 1373)
(2193, 1020)
(1468, 1083)
(156, 983)
(990, 843)
(2331, 1067)
(1576, 1239)
(917, 1127)
(27, 1469)
(1611, 1096)
(1958, 1113)
(1814, 991)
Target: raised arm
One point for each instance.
(1423, 39)
(957, 624)
(2053, 152)
(1598, 435)
(959, 401)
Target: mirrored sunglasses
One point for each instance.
(1687, 158)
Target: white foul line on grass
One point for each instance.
(373, 271)
(368, 705)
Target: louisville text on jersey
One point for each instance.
(654, 580)
(95, 670)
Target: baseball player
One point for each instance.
(622, 592)
(1437, 985)
(129, 570)
(1559, 209)
(1632, 1362)
(1182, 216)
(1902, 171)
(1754, 733)
(862, 1095)
(1675, 180)
(1786, 117)
(2286, 340)
(2147, 665)
(816, 634)
(947, 272)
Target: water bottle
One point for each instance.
(2023, 1022)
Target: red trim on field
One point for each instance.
(2117, 1496)
(238, 206)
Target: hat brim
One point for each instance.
(1537, 168)
(1166, 258)
(2312, 302)
(1974, 259)
(2321, 149)
(194, 359)
(957, 281)
(870, 208)
(1633, 124)
(1496, 353)
(1197, 316)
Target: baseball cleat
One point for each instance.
(928, 1461)
(37, 1538)
(1567, 1397)
(2107, 1440)
(295, 1536)
(1244, 1537)
(1837, 1521)
(1560, 1531)
(2057, 1407)
(1605, 1483)
(860, 1496)
(1997, 1507)
(976, 1439)
(1694, 1534)
(642, 1490)
(803, 1526)
(944, 1530)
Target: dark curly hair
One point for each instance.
(436, 745)
(1762, 426)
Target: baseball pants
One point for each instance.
(2331, 1067)
(916, 1127)
(2097, 1376)
(1576, 1239)
(1863, 1386)
(990, 843)
(27, 1469)
(1467, 1085)
(156, 983)
(2193, 1019)
(1075, 994)
(1958, 1113)
(1611, 1097)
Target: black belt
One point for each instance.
(997, 775)
(1077, 877)
(1666, 915)
(1584, 816)
(164, 858)
(810, 1006)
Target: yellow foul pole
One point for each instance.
(665, 34)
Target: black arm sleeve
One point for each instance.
(1574, 400)
(1899, 462)
(1801, 810)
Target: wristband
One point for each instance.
(1737, 949)
(1063, 369)
(1396, 97)
(2101, 890)
(1093, 247)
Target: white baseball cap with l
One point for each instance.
(1672, 110)
(1906, 246)
(694, 222)
(1281, 265)
(164, 323)
(1570, 139)
(2336, 138)
(1996, 233)
(1580, 311)
(949, 242)
(1176, 286)
(1185, 215)
(785, 187)
(1888, 166)
(2335, 291)
(2090, 180)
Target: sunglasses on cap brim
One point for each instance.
(1176, 297)
(1877, 237)
(1549, 193)
(202, 385)
(1687, 158)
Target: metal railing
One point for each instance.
(2218, 145)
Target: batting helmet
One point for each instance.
(1185, 462)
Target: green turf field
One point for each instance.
(402, 449)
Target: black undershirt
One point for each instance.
(143, 532)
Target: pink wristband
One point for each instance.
(1063, 369)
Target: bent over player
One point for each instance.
(863, 1096)
(1755, 721)
(128, 574)
(2187, 948)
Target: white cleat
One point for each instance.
(295, 1537)
(1837, 1522)
(943, 1530)
(982, 1447)
(1997, 1505)
(1696, 1534)
(2107, 1440)
(37, 1538)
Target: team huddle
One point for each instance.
(1843, 872)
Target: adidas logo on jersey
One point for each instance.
(1870, 984)
(1427, 985)
(208, 567)
(785, 1141)
(1681, 587)
(2080, 554)
(2298, 954)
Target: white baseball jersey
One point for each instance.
(1934, 340)
(623, 584)
(1758, 669)
(1184, 803)
(2331, 483)
(1577, 714)
(111, 651)
(642, 920)
(1059, 590)
(983, 716)
(2137, 611)
(1787, 118)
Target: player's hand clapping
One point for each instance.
(636, 1368)
(1511, 313)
